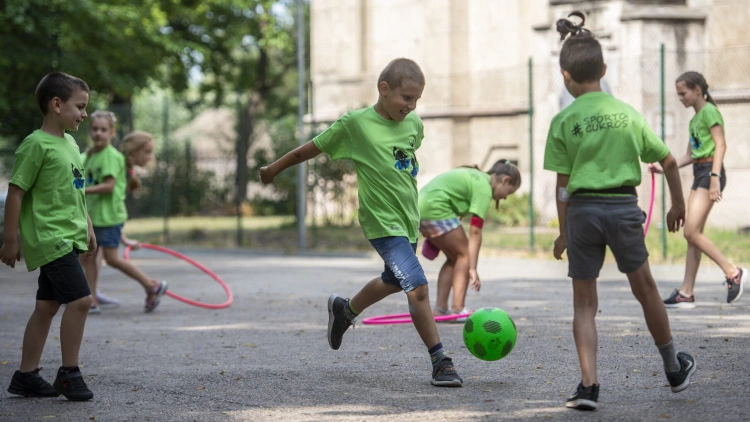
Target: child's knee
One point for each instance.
(419, 294)
(47, 307)
(81, 305)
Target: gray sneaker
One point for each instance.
(444, 374)
(736, 285)
(680, 380)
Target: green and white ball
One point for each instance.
(490, 334)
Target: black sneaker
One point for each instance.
(337, 322)
(680, 380)
(585, 398)
(736, 285)
(679, 300)
(444, 374)
(71, 385)
(30, 384)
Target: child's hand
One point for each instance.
(560, 245)
(474, 280)
(655, 168)
(714, 191)
(266, 175)
(10, 253)
(134, 244)
(675, 218)
(91, 243)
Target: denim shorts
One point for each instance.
(402, 268)
(595, 222)
(108, 237)
(702, 176)
(63, 280)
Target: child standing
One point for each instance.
(46, 201)
(106, 185)
(705, 152)
(442, 202)
(594, 146)
(382, 141)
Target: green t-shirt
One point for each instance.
(383, 152)
(456, 193)
(701, 141)
(598, 141)
(53, 210)
(106, 209)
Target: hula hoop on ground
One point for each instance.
(197, 265)
(406, 319)
(650, 204)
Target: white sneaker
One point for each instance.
(106, 301)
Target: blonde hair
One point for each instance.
(132, 143)
(109, 117)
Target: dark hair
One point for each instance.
(506, 168)
(60, 85)
(400, 69)
(581, 55)
(693, 79)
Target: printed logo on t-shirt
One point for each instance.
(78, 181)
(404, 161)
(600, 122)
(91, 179)
(695, 142)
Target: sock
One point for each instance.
(669, 356)
(736, 273)
(437, 353)
(349, 312)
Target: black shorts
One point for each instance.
(63, 280)
(595, 222)
(702, 176)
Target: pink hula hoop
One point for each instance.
(650, 204)
(197, 265)
(406, 319)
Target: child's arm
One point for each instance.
(676, 214)
(721, 148)
(291, 158)
(91, 238)
(11, 251)
(562, 213)
(107, 186)
(475, 242)
(683, 161)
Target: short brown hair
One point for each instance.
(581, 55)
(60, 85)
(400, 69)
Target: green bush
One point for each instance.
(513, 211)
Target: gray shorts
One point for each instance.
(595, 222)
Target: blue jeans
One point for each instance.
(402, 267)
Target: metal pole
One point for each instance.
(531, 154)
(165, 134)
(302, 168)
(238, 202)
(663, 138)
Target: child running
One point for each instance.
(106, 185)
(442, 202)
(594, 145)
(705, 151)
(382, 141)
(46, 201)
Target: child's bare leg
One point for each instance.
(692, 262)
(115, 261)
(585, 306)
(444, 284)
(421, 314)
(373, 292)
(699, 205)
(455, 245)
(91, 269)
(644, 289)
(71, 329)
(36, 333)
